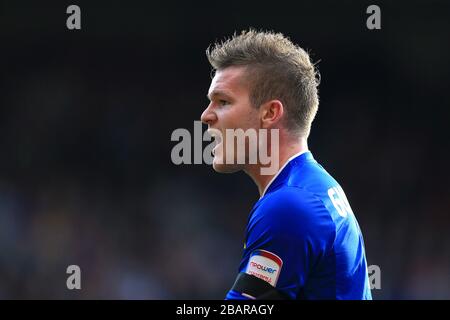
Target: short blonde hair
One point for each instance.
(276, 69)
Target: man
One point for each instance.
(302, 238)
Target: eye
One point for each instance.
(223, 102)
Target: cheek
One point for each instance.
(242, 117)
(228, 119)
(252, 118)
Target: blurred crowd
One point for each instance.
(86, 177)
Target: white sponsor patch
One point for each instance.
(265, 265)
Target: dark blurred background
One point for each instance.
(86, 118)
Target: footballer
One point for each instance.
(302, 238)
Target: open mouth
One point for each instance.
(217, 136)
(215, 147)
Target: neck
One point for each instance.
(262, 181)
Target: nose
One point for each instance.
(208, 116)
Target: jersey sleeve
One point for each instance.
(288, 233)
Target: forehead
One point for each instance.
(229, 80)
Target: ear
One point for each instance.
(271, 113)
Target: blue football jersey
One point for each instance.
(303, 238)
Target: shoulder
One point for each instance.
(293, 208)
(290, 197)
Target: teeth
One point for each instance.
(216, 135)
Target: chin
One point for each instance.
(225, 168)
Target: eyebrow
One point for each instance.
(216, 93)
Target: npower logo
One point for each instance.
(262, 268)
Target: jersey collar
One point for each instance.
(307, 155)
